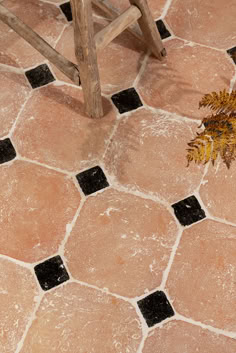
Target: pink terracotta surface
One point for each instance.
(44, 18)
(190, 20)
(201, 283)
(119, 63)
(148, 152)
(112, 246)
(18, 290)
(217, 189)
(53, 129)
(179, 82)
(179, 337)
(78, 319)
(9, 108)
(37, 203)
(122, 243)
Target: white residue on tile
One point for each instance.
(109, 210)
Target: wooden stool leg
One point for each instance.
(149, 29)
(85, 52)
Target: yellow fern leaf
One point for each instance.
(219, 138)
(222, 102)
(199, 149)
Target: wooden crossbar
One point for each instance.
(113, 14)
(87, 44)
(116, 27)
(64, 65)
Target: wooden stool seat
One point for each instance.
(87, 44)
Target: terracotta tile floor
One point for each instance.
(109, 243)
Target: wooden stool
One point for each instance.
(87, 44)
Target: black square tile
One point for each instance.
(51, 273)
(188, 211)
(66, 9)
(92, 180)
(164, 33)
(232, 53)
(155, 308)
(126, 100)
(7, 151)
(39, 76)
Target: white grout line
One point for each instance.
(142, 69)
(192, 43)
(53, 3)
(141, 346)
(59, 82)
(172, 115)
(61, 171)
(204, 326)
(18, 115)
(161, 324)
(9, 68)
(16, 261)
(75, 181)
(171, 259)
(202, 182)
(136, 192)
(109, 140)
(220, 220)
(30, 322)
(233, 82)
(102, 290)
(144, 326)
(66, 25)
(69, 228)
(3, 138)
(166, 8)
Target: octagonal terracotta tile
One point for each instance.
(156, 7)
(44, 18)
(10, 104)
(201, 283)
(119, 63)
(217, 191)
(190, 20)
(188, 72)
(74, 318)
(121, 242)
(179, 337)
(36, 205)
(18, 290)
(53, 129)
(148, 152)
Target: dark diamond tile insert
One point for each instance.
(92, 180)
(66, 9)
(39, 76)
(155, 308)
(126, 100)
(7, 151)
(188, 211)
(164, 33)
(51, 273)
(232, 53)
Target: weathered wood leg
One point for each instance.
(37, 42)
(149, 29)
(85, 52)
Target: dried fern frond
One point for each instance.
(213, 120)
(218, 139)
(222, 102)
